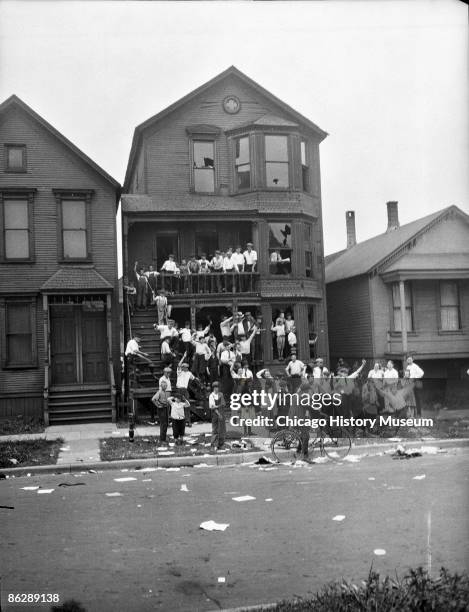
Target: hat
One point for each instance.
(215, 384)
(249, 244)
(167, 370)
(184, 365)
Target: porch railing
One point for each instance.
(213, 282)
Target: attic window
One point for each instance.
(204, 166)
(15, 158)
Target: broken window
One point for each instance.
(276, 161)
(243, 163)
(280, 249)
(204, 166)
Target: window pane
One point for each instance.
(18, 318)
(15, 158)
(276, 174)
(396, 299)
(242, 151)
(449, 294)
(74, 243)
(279, 235)
(450, 318)
(19, 349)
(73, 214)
(309, 263)
(204, 179)
(303, 153)
(203, 154)
(16, 244)
(16, 214)
(244, 176)
(276, 148)
(407, 294)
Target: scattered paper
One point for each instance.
(116, 433)
(371, 478)
(126, 479)
(166, 453)
(184, 488)
(125, 470)
(149, 469)
(352, 458)
(379, 551)
(43, 491)
(175, 469)
(243, 498)
(29, 488)
(267, 469)
(421, 477)
(13, 460)
(116, 494)
(139, 505)
(269, 499)
(338, 517)
(201, 465)
(64, 449)
(321, 460)
(221, 579)
(146, 480)
(212, 526)
(92, 471)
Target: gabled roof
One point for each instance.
(14, 101)
(365, 256)
(76, 278)
(231, 71)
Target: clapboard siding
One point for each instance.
(349, 318)
(52, 165)
(21, 404)
(380, 297)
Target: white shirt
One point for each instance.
(183, 378)
(217, 263)
(291, 338)
(225, 328)
(279, 329)
(132, 347)
(169, 266)
(238, 258)
(215, 400)
(295, 368)
(177, 409)
(414, 371)
(375, 374)
(245, 346)
(227, 356)
(245, 373)
(186, 334)
(202, 349)
(250, 257)
(167, 381)
(228, 263)
(390, 376)
(164, 349)
(289, 324)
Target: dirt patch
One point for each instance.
(19, 453)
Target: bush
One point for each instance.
(416, 591)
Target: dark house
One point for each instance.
(404, 292)
(230, 164)
(59, 329)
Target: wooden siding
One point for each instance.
(349, 318)
(380, 301)
(28, 405)
(450, 236)
(51, 165)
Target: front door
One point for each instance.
(78, 345)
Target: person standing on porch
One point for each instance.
(279, 331)
(142, 285)
(415, 374)
(161, 302)
(226, 327)
(216, 404)
(250, 258)
(216, 265)
(167, 355)
(229, 268)
(170, 269)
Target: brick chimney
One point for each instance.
(393, 216)
(350, 225)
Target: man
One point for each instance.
(245, 345)
(168, 331)
(136, 356)
(160, 400)
(238, 259)
(161, 302)
(165, 378)
(295, 371)
(226, 327)
(216, 265)
(291, 339)
(250, 258)
(142, 284)
(184, 377)
(216, 404)
(178, 405)
(167, 355)
(204, 270)
(229, 268)
(151, 275)
(186, 339)
(415, 374)
(169, 269)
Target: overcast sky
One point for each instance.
(386, 80)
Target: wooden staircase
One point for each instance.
(141, 381)
(78, 404)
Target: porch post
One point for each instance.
(403, 318)
(109, 356)
(45, 319)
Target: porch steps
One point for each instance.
(79, 405)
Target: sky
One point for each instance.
(388, 81)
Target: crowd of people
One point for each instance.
(224, 271)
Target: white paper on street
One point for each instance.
(243, 498)
(125, 479)
(338, 517)
(115, 494)
(43, 491)
(420, 477)
(212, 526)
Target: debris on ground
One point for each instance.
(115, 494)
(243, 498)
(126, 479)
(263, 461)
(184, 488)
(212, 526)
(379, 552)
(338, 517)
(43, 491)
(421, 477)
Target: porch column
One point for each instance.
(193, 314)
(403, 317)
(125, 250)
(109, 355)
(45, 319)
(302, 332)
(266, 313)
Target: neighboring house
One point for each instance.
(230, 164)
(59, 326)
(404, 292)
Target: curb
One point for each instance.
(216, 460)
(256, 608)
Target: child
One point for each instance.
(178, 403)
(279, 331)
(291, 338)
(216, 403)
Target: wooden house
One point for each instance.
(229, 164)
(59, 329)
(404, 292)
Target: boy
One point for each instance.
(216, 404)
(160, 400)
(178, 405)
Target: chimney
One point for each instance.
(393, 216)
(350, 224)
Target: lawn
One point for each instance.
(144, 447)
(18, 453)
(20, 425)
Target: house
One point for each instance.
(228, 164)
(59, 329)
(404, 292)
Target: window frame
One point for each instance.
(398, 306)
(5, 301)
(211, 138)
(235, 167)
(20, 194)
(62, 195)
(305, 167)
(270, 249)
(456, 306)
(289, 162)
(24, 161)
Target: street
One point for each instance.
(144, 550)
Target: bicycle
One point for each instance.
(334, 442)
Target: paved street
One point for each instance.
(144, 550)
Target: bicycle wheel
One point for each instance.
(336, 443)
(286, 446)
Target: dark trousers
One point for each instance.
(179, 428)
(418, 400)
(218, 429)
(142, 295)
(187, 411)
(293, 383)
(163, 420)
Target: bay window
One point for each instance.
(276, 161)
(242, 163)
